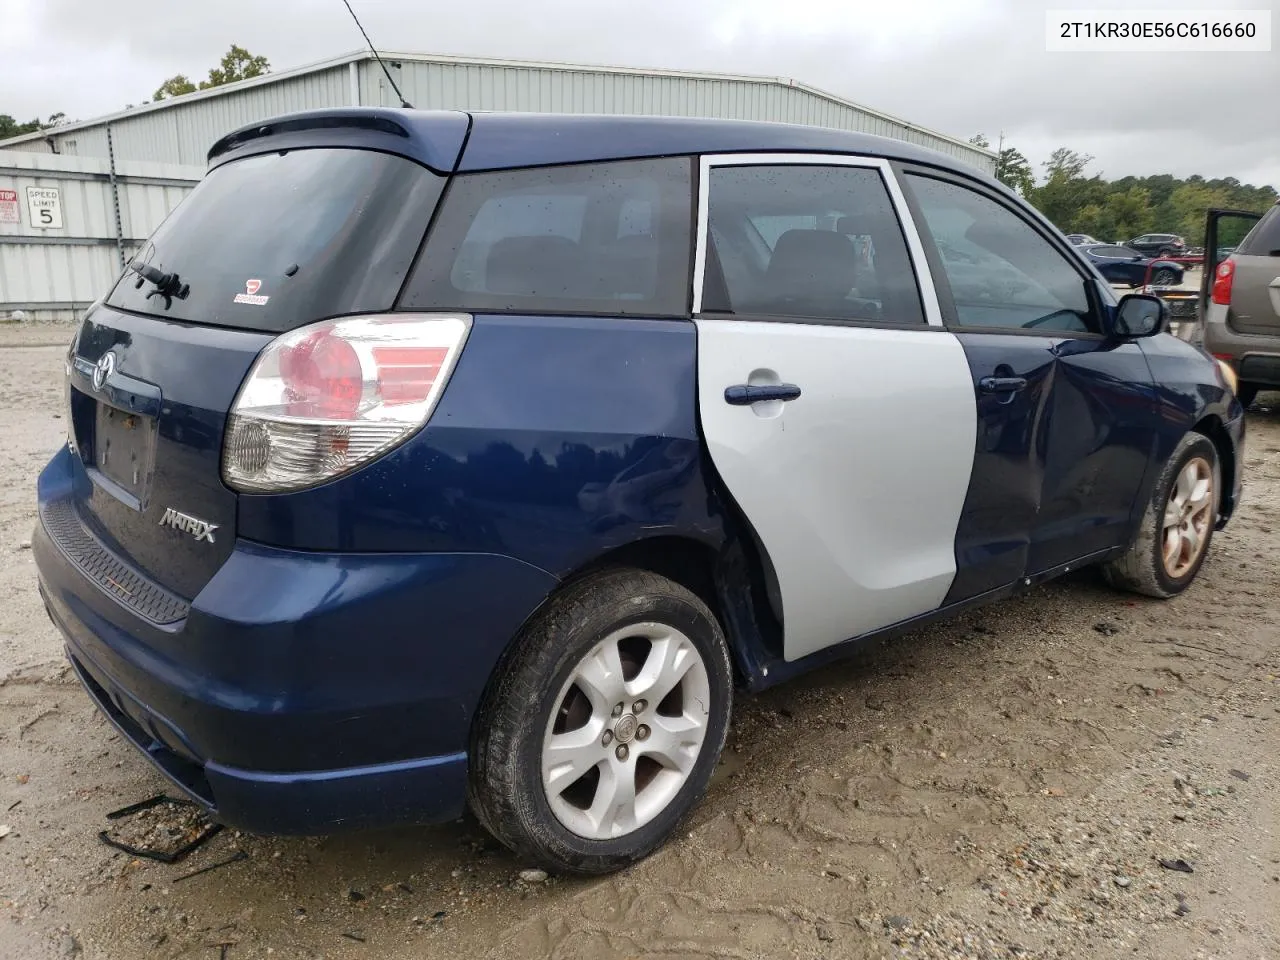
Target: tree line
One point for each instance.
(236, 64)
(1122, 209)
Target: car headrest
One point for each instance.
(811, 263)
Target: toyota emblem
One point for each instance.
(105, 367)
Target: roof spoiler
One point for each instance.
(432, 138)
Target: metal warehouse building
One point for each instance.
(116, 177)
(181, 130)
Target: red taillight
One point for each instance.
(322, 378)
(1223, 277)
(324, 399)
(407, 374)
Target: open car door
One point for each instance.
(1223, 232)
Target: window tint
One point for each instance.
(1123, 253)
(805, 240)
(610, 238)
(1002, 272)
(1265, 236)
(322, 231)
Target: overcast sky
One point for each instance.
(957, 66)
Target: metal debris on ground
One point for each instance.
(1180, 866)
(239, 855)
(1240, 775)
(183, 823)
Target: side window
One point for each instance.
(807, 241)
(610, 238)
(1264, 239)
(1002, 272)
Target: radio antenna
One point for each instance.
(403, 102)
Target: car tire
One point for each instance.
(1161, 562)
(1247, 393)
(592, 643)
(1164, 277)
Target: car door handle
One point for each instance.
(743, 394)
(1002, 384)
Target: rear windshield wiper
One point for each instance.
(168, 285)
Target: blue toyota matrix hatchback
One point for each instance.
(424, 459)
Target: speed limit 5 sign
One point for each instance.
(44, 207)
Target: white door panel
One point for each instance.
(855, 487)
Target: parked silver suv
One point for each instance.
(1242, 315)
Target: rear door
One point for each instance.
(836, 409)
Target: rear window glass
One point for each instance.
(1265, 236)
(611, 238)
(295, 236)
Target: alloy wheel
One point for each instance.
(1188, 517)
(626, 731)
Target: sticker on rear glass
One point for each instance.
(250, 295)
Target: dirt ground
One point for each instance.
(1002, 785)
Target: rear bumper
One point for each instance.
(299, 803)
(302, 692)
(1255, 357)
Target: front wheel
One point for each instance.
(1177, 525)
(603, 728)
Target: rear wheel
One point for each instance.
(603, 729)
(1177, 525)
(1164, 277)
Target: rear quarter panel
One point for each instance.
(556, 439)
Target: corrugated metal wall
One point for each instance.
(182, 133)
(551, 89)
(52, 274)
